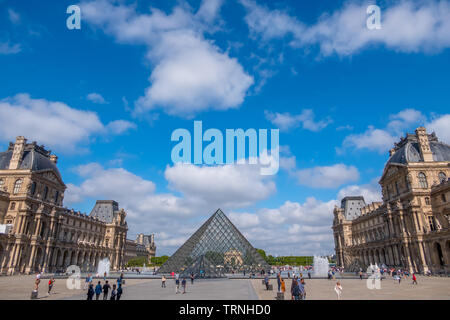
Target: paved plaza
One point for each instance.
(429, 288)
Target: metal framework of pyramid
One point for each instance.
(215, 249)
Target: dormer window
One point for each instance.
(442, 177)
(17, 186)
(423, 180)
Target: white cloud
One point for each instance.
(13, 16)
(327, 176)
(190, 74)
(372, 139)
(7, 48)
(50, 122)
(96, 98)
(406, 26)
(371, 191)
(441, 126)
(225, 186)
(120, 126)
(287, 121)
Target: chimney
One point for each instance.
(54, 158)
(16, 158)
(424, 144)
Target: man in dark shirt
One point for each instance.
(106, 288)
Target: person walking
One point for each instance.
(266, 281)
(51, 282)
(279, 281)
(338, 289)
(360, 274)
(414, 279)
(113, 293)
(163, 282)
(98, 290)
(301, 286)
(177, 285)
(293, 285)
(183, 284)
(309, 274)
(86, 281)
(106, 288)
(119, 292)
(90, 292)
(192, 278)
(295, 290)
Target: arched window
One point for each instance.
(17, 186)
(33, 188)
(427, 201)
(2, 183)
(442, 177)
(423, 180)
(45, 193)
(56, 197)
(13, 206)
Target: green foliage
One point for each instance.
(137, 262)
(159, 261)
(288, 260)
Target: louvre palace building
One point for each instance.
(36, 232)
(410, 227)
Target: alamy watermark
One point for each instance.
(374, 20)
(235, 140)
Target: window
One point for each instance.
(432, 223)
(442, 177)
(56, 197)
(33, 188)
(45, 193)
(427, 201)
(423, 180)
(443, 197)
(2, 183)
(17, 186)
(396, 188)
(408, 182)
(13, 206)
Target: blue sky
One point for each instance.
(106, 99)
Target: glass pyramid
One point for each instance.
(215, 249)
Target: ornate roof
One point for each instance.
(407, 150)
(34, 158)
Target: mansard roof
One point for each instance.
(407, 150)
(34, 158)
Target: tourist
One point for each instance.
(293, 285)
(289, 275)
(106, 288)
(119, 292)
(104, 276)
(37, 282)
(414, 278)
(86, 282)
(301, 286)
(51, 282)
(279, 281)
(98, 290)
(90, 292)
(309, 274)
(360, 274)
(283, 286)
(177, 285)
(338, 289)
(113, 293)
(266, 281)
(119, 280)
(192, 278)
(163, 282)
(183, 284)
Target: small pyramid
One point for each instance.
(215, 249)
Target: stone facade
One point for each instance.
(410, 228)
(36, 232)
(143, 246)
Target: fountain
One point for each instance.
(103, 266)
(320, 266)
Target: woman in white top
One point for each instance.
(338, 289)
